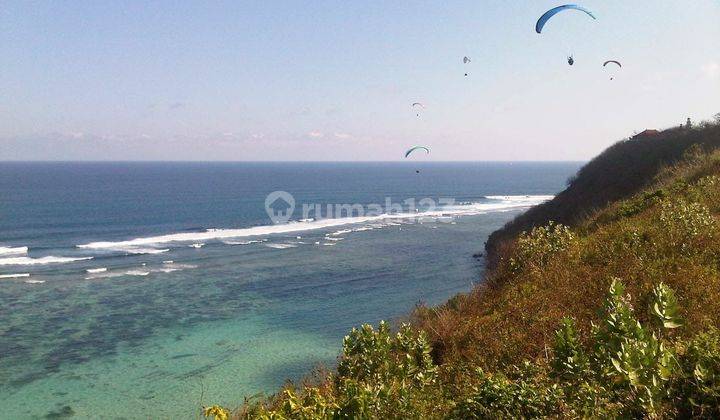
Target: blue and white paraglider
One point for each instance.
(555, 10)
(540, 24)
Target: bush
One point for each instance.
(697, 390)
(626, 372)
(631, 207)
(528, 396)
(380, 375)
(684, 223)
(570, 359)
(376, 356)
(535, 249)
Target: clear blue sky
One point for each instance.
(334, 80)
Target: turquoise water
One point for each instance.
(149, 338)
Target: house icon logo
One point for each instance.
(279, 205)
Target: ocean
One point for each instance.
(145, 290)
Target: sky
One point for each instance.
(335, 80)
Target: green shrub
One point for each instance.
(635, 357)
(376, 356)
(570, 359)
(626, 373)
(633, 206)
(697, 390)
(383, 375)
(535, 249)
(683, 222)
(497, 397)
(380, 375)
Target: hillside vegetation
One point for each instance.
(617, 173)
(609, 310)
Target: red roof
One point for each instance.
(648, 132)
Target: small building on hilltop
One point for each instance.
(650, 132)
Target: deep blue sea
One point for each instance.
(144, 290)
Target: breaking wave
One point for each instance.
(491, 204)
(14, 276)
(281, 246)
(9, 250)
(40, 261)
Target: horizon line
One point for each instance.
(294, 161)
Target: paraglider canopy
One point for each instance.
(414, 148)
(555, 10)
(466, 60)
(614, 62)
(418, 106)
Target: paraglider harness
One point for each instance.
(571, 60)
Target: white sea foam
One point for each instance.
(491, 204)
(105, 275)
(171, 267)
(244, 242)
(34, 281)
(39, 261)
(167, 266)
(333, 239)
(144, 251)
(14, 276)
(197, 245)
(362, 229)
(281, 246)
(17, 250)
(96, 270)
(137, 273)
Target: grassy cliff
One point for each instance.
(604, 302)
(619, 172)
